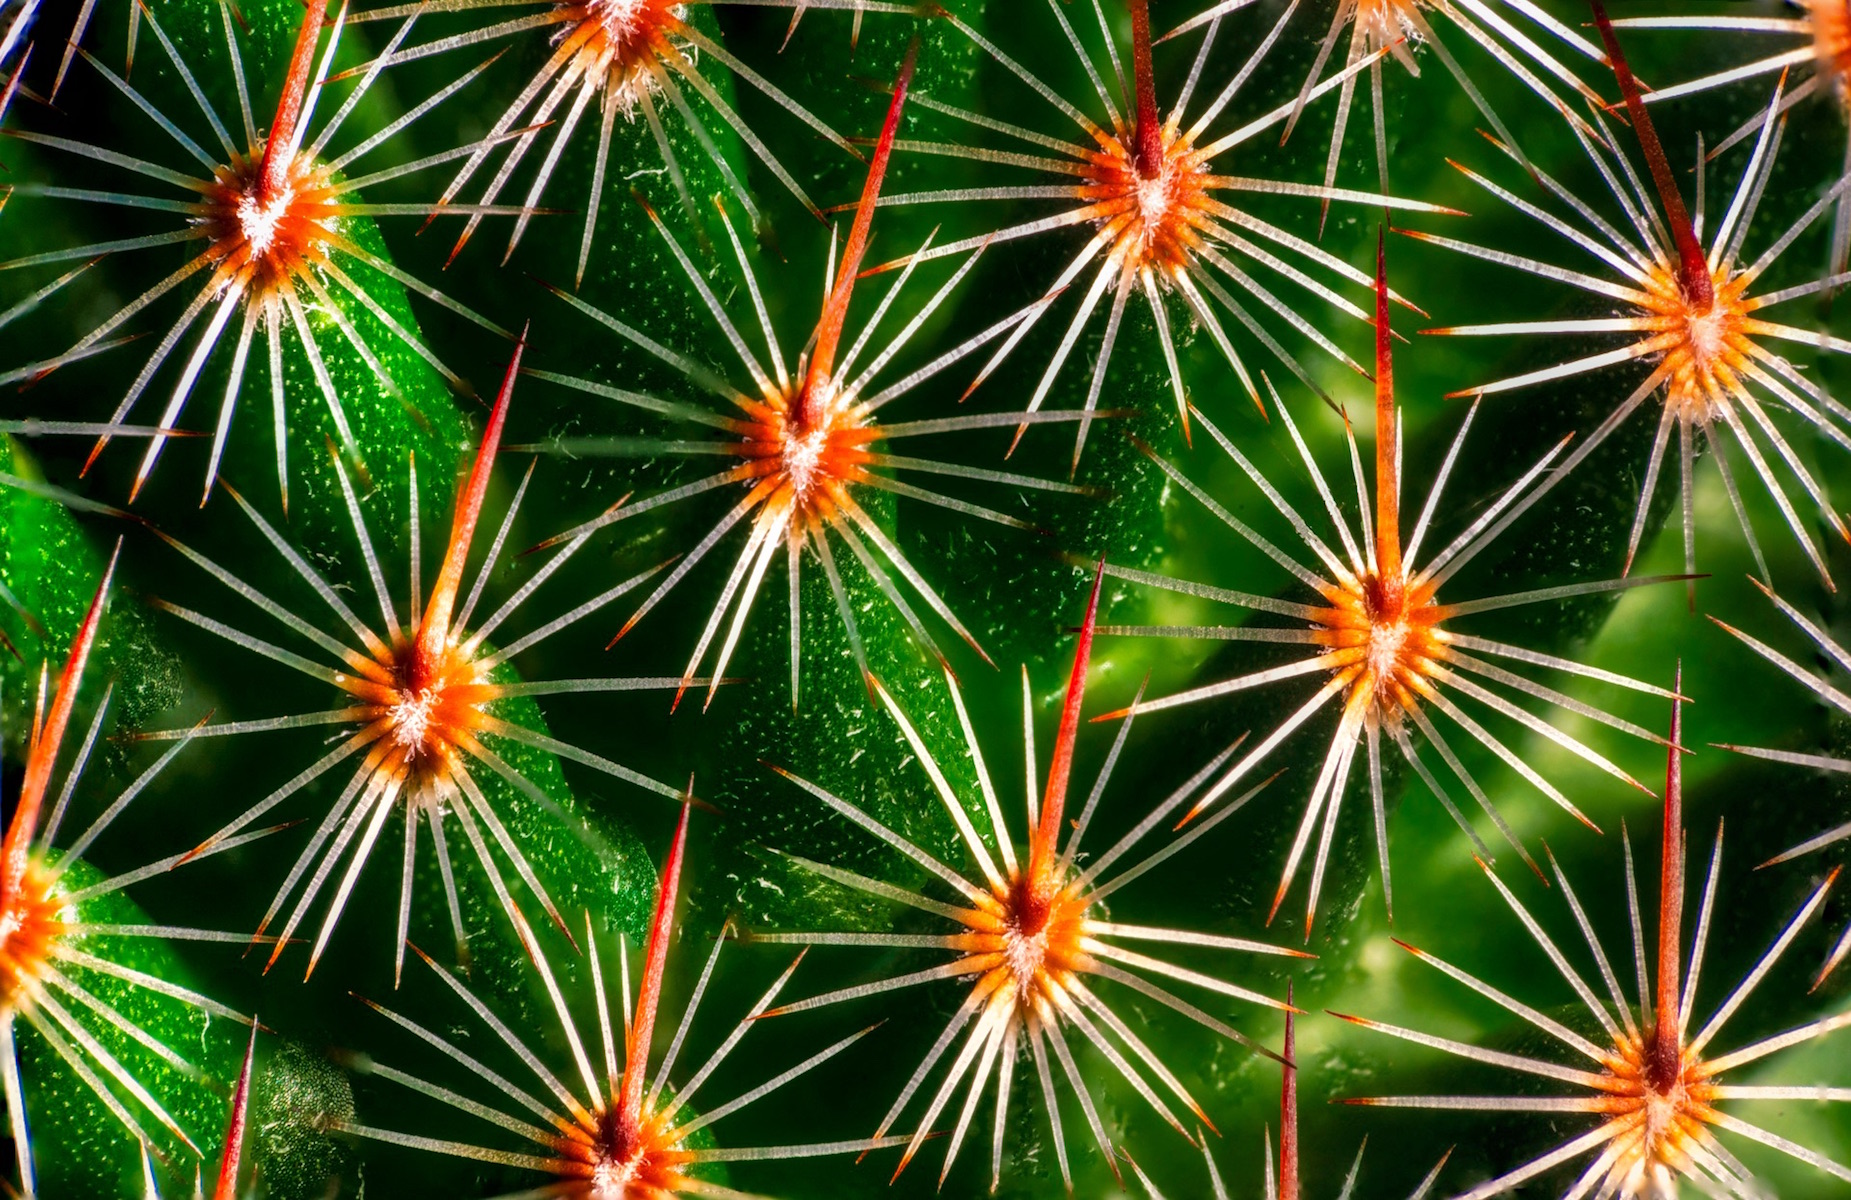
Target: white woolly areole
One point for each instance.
(618, 65)
(618, 16)
(610, 1179)
(1024, 955)
(1386, 642)
(257, 220)
(1707, 335)
(1153, 196)
(804, 449)
(411, 718)
(803, 454)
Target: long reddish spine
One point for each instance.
(1054, 796)
(1387, 476)
(435, 628)
(1666, 1058)
(636, 1051)
(233, 1153)
(274, 173)
(835, 312)
(1288, 1108)
(1148, 150)
(1694, 271)
(16, 851)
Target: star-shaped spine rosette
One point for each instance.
(1383, 640)
(419, 698)
(1029, 934)
(1287, 1184)
(1817, 37)
(807, 442)
(611, 58)
(1160, 216)
(1693, 314)
(1400, 27)
(615, 1132)
(1655, 1088)
(55, 979)
(266, 220)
